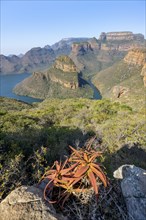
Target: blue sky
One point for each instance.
(27, 24)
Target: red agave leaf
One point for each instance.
(100, 175)
(81, 171)
(93, 181)
(75, 151)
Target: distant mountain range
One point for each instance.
(89, 54)
(36, 58)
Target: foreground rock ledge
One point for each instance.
(133, 186)
(27, 203)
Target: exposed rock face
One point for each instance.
(119, 91)
(118, 36)
(65, 64)
(121, 41)
(102, 36)
(27, 203)
(81, 48)
(143, 73)
(66, 84)
(134, 191)
(136, 57)
(125, 35)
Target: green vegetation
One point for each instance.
(124, 75)
(32, 137)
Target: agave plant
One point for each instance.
(86, 167)
(60, 176)
(68, 177)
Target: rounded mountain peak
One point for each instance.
(65, 64)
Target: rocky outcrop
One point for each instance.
(27, 203)
(65, 64)
(119, 91)
(136, 57)
(134, 191)
(120, 36)
(120, 41)
(66, 84)
(81, 48)
(143, 73)
(124, 35)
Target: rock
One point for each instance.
(143, 73)
(81, 48)
(65, 64)
(133, 186)
(27, 203)
(119, 91)
(125, 35)
(136, 57)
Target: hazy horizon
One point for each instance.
(28, 24)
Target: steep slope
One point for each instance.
(62, 80)
(37, 58)
(90, 58)
(10, 64)
(124, 80)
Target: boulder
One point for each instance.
(27, 203)
(133, 186)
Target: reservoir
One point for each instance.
(8, 82)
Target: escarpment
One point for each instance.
(125, 79)
(136, 57)
(143, 73)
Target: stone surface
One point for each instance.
(143, 73)
(81, 48)
(136, 57)
(119, 91)
(133, 186)
(27, 203)
(65, 64)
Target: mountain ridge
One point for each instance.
(41, 58)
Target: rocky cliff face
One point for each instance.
(120, 36)
(121, 41)
(65, 64)
(81, 48)
(71, 85)
(136, 57)
(143, 73)
(125, 35)
(123, 79)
